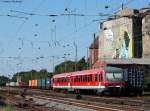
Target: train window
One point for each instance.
(56, 80)
(100, 77)
(84, 78)
(77, 79)
(68, 80)
(91, 78)
(109, 76)
(81, 77)
(87, 78)
(95, 77)
(118, 75)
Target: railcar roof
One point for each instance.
(92, 71)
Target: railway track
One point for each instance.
(124, 103)
(19, 104)
(88, 104)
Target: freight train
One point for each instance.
(106, 80)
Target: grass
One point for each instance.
(6, 108)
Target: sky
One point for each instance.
(37, 34)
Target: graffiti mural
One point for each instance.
(116, 39)
(124, 44)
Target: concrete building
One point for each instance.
(120, 37)
(145, 13)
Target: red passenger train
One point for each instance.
(103, 80)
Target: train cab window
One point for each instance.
(116, 76)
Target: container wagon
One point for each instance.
(39, 83)
(134, 79)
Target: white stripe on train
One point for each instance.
(80, 87)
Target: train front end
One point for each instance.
(114, 81)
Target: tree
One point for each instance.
(82, 64)
(69, 66)
(3, 80)
(31, 75)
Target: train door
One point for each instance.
(70, 82)
(100, 79)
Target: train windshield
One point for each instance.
(114, 76)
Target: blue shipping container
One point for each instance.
(39, 83)
(48, 83)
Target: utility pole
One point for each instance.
(65, 57)
(87, 58)
(76, 56)
(53, 57)
(122, 6)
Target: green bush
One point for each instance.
(6, 108)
